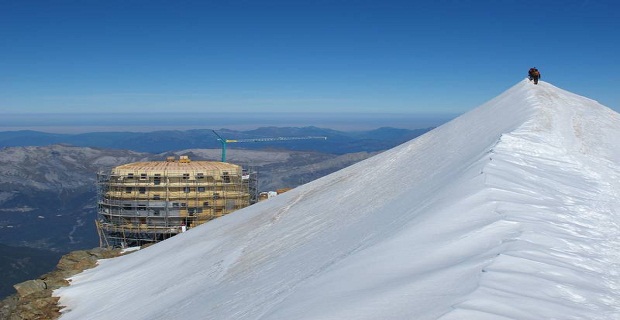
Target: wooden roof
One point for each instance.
(177, 167)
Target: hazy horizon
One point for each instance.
(74, 123)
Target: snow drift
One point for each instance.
(510, 211)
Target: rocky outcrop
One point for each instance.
(34, 299)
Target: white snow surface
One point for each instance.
(511, 211)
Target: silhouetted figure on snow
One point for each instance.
(534, 74)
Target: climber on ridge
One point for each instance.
(534, 74)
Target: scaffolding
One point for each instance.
(147, 202)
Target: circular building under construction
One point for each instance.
(146, 202)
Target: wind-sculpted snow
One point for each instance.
(507, 212)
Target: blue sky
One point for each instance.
(411, 57)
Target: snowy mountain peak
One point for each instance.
(510, 211)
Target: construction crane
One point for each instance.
(225, 142)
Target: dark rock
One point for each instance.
(28, 287)
(34, 298)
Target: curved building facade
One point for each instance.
(146, 202)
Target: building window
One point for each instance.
(186, 189)
(205, 204)
(185, 176)
(201, 189)
(200, 175)
(128, 189)
(143, 176)
(142, 190)
(156, 197)
(130, 176)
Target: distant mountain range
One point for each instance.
(338, 142)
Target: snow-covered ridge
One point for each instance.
(509, 211)
(560, 216)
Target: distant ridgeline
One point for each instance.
(338, 142)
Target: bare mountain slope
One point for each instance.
(47, 194)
